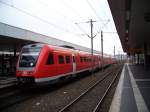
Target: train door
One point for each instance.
(74, 63)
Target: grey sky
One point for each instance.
(57, 18)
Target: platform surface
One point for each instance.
(133, 90)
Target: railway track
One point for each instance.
(106, 92)
(12, 93)
(84, 101)
(19, 95)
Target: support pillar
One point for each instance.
(14, 60)
(138, 58)
(2, 63)
(146, 55)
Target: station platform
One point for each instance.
(133, 90)
(7, 82)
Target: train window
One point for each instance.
(84, 59)
(81, 59)
(67, 59)
(87, 60)
(50, 59)
(61, 59)
(29, 57)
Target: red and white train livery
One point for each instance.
(43, 63)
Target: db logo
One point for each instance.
(25, 72)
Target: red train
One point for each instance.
(45, 63)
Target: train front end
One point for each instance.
(26, 66)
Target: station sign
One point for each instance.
(135, 50)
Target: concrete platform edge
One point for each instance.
(115, 105)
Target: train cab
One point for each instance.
(27, 62)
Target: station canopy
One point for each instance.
(132, 20)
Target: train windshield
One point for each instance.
(29, 57)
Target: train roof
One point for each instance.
(34, 45)
(53, 47)
(64, 48)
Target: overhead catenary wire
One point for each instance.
(94, 10)
(70, 8)
(111, 33)
(45, 21)
(82, 30)
(101, 28)
(81, 17)
(99, 19)
(78, 15)
(98, 16)
(66, 4)
(46, 5)
(34, 16)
